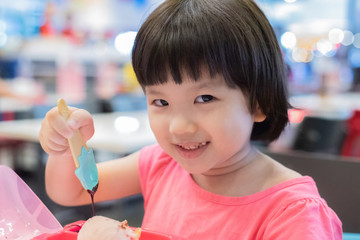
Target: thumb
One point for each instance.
(82, 120)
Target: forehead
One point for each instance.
(204, 81)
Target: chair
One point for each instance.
(320, 135)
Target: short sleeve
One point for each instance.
(306, 219)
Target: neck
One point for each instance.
(236, 179)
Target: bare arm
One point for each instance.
(5, 90)
(117, 178)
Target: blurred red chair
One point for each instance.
(351, 146)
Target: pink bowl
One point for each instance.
(22, 214)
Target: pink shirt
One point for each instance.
(176, 205)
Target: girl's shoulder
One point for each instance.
(279, 173)
(153, 161)
(154, 155)
(302, 213)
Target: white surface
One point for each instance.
(106, 136)
(339, 106)
(12, 105)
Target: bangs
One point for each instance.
(175, 45)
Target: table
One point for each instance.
(13, 105)
(336, 106)
(118, 132)
(329, 107)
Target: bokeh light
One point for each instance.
(324, 46)
(124, 42)
(126, 124)
(348, 38)
(302, 55)
(288, 40)
(336, 35)
(356, 42)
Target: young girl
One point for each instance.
(214, 79)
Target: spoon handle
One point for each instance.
(76, 142)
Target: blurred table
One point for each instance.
(12, 105)
(118, 132)
(338, 106)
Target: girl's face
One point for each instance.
(205, 125)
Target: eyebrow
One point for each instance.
(206, 85)
(200, 86)
(151, 91)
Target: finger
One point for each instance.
(56, 138)
(82, 120)
(53, 120)
(52, 142)
(60, 152)
(53, 146)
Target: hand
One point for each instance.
(55, 130)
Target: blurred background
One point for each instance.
(80, 50)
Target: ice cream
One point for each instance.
(100, 227)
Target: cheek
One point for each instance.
(236, 128)
(154, 125)
(157, 125)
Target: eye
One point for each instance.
(204, 98)
(160, 102)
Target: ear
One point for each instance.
(259, 116)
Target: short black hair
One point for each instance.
(228, 37)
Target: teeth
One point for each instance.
(192, 147)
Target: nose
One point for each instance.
(182, 124)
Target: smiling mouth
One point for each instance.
(190, 147)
